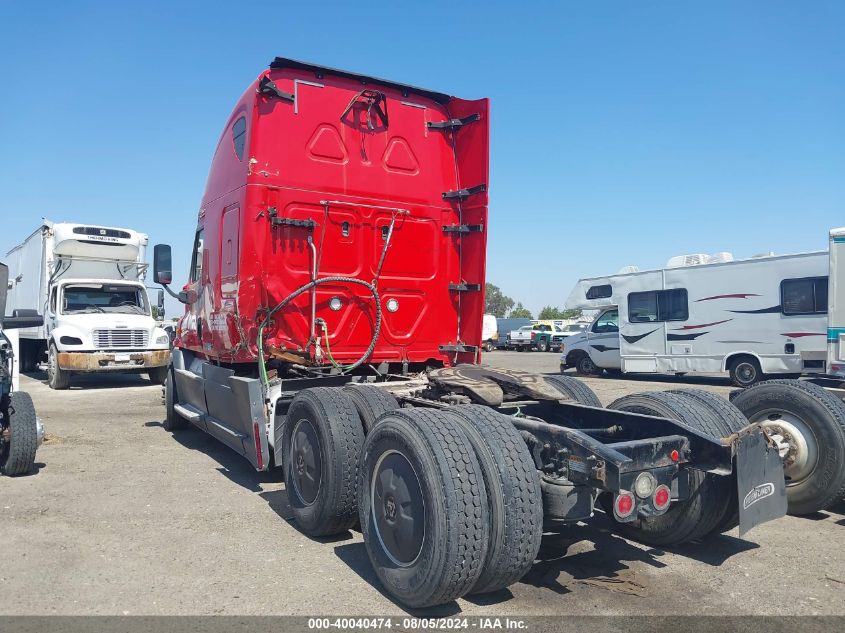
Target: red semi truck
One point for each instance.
(333, 328)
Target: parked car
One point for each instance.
(530, 337)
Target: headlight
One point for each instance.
(163, 340)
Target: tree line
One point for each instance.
(501, 305)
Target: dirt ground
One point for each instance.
(122, 517)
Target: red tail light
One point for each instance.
(623, 505)
(662, 497)
(533, 334)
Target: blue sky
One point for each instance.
(622, 132)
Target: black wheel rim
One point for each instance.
(306, 462)
(398, 509)
(746, 372)
(586, 366)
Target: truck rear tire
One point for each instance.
(707, 504)
(17, 451)
(575, 389)
(423, 511)
(729, 420)
(321, 445)
(513, 491)
(370, 402)
(157, 375)
(172, 420)
(542, 345)
(811, 421)
(57, 378)
(745, 371)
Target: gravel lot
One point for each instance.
(123, 518)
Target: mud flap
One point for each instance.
(760, 483)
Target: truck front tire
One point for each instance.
(423, 507)
(57, 378)
(172, 420)
(321, 445)
(17, 449)
(157, 375)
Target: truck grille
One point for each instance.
(109, 339)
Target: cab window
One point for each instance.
(607, 322)
(196, 261)
(239, 137)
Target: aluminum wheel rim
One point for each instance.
(397, 508)
(306, 462)
(803, 454)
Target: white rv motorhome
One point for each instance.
(750, 317)
(88, 282)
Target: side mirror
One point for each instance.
(4, 287)
(162, 264)
(23, 318)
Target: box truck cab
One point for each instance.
(88, 282)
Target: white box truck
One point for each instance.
(88, 282)
(752, 317)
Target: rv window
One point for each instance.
(804, 296)
(658, 305)
(196, 261)
(607, 322)
(239, 137)
(642, 307)
(599, 292)
(672, 305)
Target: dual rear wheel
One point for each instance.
(711, 505)
(448, 501)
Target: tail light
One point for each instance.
(623, 505)
(661, 498)
(533, 335)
